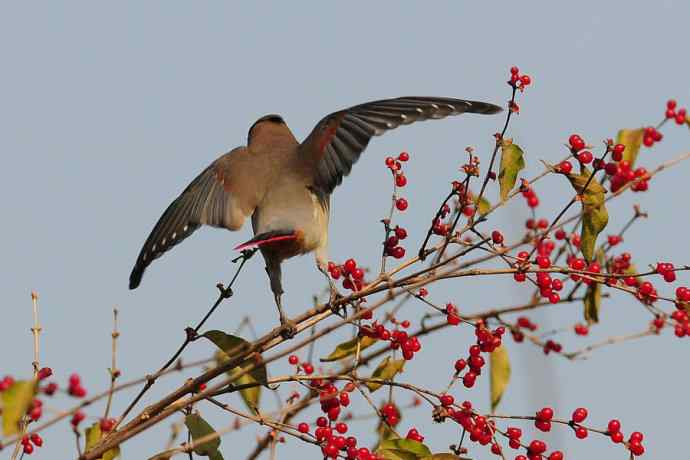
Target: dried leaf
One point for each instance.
(15, 402)
(349, 348)
(500, 374)
(592, 303)
(632, 139)
(230, 344)
(512, 162)
(198, 427)
(595, 216)
(483, 206)
(94, 435)
(385, 371)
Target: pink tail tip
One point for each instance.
(261, 242)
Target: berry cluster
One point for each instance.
(353, 276)
(330, 433)
(682, 320)
(621, 173)
(522, 322)
(398, 338)
(680, 115)
(530, 196)
(487, 341)
(29, 441)
(6, 382)
(519, 81)
(307, 367)
(75, 387)
(392, 245)
(634, 443)
(35, 409)
(651, 136)
(399, 178)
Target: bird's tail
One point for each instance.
(271, 237)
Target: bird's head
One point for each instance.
(267, 123)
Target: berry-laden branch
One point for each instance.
(350, 269)
(396, 309)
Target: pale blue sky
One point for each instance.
(108, 110)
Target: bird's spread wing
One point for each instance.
(337, 141)
(223, 195)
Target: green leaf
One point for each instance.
(594, 213)
(512, 162)
(385, 371)
(483, 206)
(349, 348)
(403, 449)
(500, 374)
(230, 344)
(198, 427)
(632, 139)
(592, 303)
(93, 435)
(15, 402)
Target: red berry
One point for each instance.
(404, 156)
(77, 417)
(341, 427)
(303, 428)
(400, 180)
(349, 266)
(545, 414)
(497, 237)
(614, 426)
(585, 157)
(617, 437)
(579, 415)
(565, 167)
(28, 449)
(308, 368)
(576, 143)
(526, 80)
(44, 373)
(401, 204)
(38, 441)
(460, 364)
(446, 400)
(537, 447)
(398, 252)
(107, 424)
(294, 360)
(74, 380)
(636, 436)
(671, 104)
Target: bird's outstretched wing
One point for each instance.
(223, 195)
(338, 140)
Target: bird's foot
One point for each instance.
(333, 299)
(288, 328)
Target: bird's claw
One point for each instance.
(333, 299)
(288, 328)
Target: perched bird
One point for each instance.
(285, 185)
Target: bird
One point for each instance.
(285, 185)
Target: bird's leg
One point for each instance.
(275, 275)
(289, 328)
